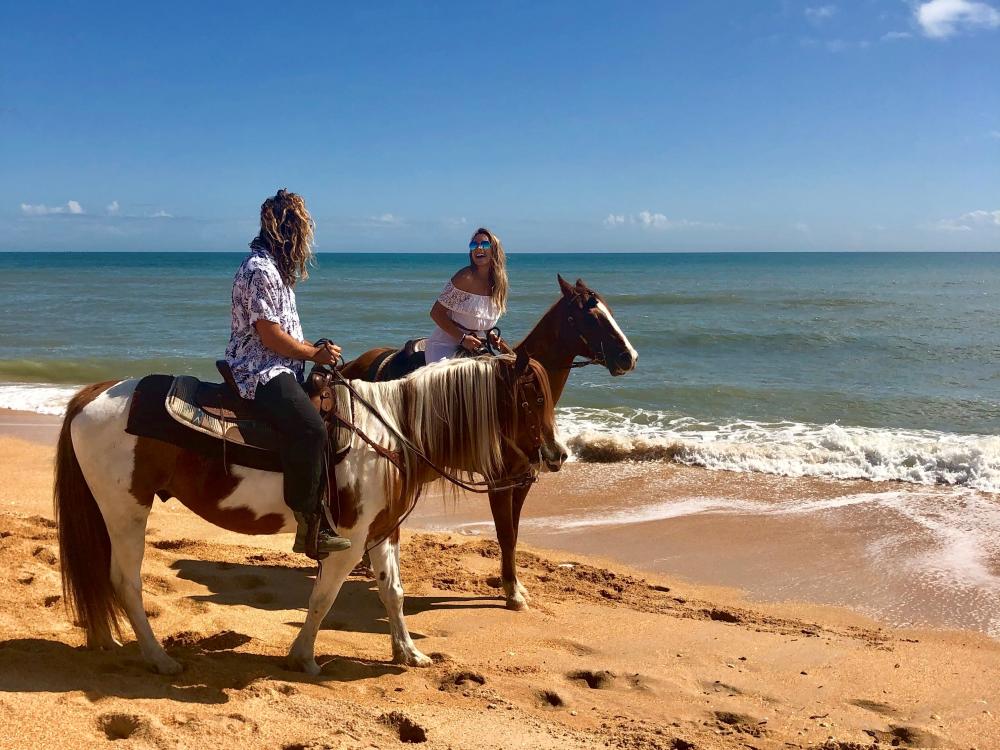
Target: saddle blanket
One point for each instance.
(185, 412)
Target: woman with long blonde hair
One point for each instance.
(472, 302)
(267, 355)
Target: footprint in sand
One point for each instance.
(461, 681)
(46, 554)
(407, 729)
(596, 680)
(606, 680)
(51, 600)
(25, 577)
(743, 723)
(551, 699)
(904, 736)
(227, 640)
(123, 726)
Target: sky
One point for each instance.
(563, 126)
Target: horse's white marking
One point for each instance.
(614, 327)
(260, 492)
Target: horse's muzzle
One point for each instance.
(554, 456)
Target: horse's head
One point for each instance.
(589, 321)
(532, 442)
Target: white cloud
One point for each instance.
(967, 222)
(385, 218)
(651, 220)
(38, 209)
(893, 36)
(820, 13)
(112, 209)
(940, 19)
(453, 222)
(161, 214)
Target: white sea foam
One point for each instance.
(786, 448)
(36, 397)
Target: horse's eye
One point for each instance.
(591, 303)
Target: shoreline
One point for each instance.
(846, 543)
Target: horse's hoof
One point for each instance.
(166, 665)
(309, 666)
(103, 643)
(522, 591)
(516, 603)
(413, 659)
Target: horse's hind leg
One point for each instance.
(385, 563)
(127, 529)
(333, 571)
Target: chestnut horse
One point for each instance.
(579, 324)
(483, 416)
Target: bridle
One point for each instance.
(595, 359)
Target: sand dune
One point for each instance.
(606, 657)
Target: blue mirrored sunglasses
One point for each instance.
(485, 245)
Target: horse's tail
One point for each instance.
(84, 544)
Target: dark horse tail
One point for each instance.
(84, 545)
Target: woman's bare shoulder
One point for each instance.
(464, 280)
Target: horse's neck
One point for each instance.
(543, 344)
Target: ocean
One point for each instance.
(840, 365)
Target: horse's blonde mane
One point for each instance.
(447, 411)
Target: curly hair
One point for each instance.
(286, 232)
(498, 269)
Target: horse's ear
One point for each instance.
(567, 288)
(521, 363)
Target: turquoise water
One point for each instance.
(877, 365)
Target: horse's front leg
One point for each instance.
(332, 574)
(501, 503)
(385, 563)
(520, 494)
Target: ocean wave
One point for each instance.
(42, 399)
(790, 449)
(785, 448)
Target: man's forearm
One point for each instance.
(281, 343)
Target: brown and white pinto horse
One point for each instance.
(484, 416)
(579, 324)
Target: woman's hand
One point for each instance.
(327, 354)
(471, 344)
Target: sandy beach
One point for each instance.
(607, 656)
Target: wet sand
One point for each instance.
(872, 546)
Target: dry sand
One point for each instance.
(606, 657)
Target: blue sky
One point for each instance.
(710, 125)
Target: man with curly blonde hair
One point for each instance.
(267, 355)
